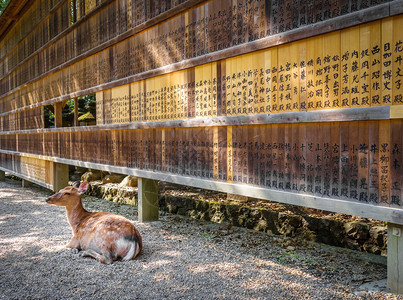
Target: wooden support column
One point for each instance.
(58, 114)
(58, 108)
(26, 183)
(395, 258)
(75, 112)
(60, 176)
(147, 200)
(2, 175)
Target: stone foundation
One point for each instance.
(355, 235)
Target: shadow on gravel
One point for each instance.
(181, 260)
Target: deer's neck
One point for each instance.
(75, 214)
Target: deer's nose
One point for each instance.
(47, 199)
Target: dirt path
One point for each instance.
(183, 259)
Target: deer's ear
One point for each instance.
(83, 188)
(76, 184)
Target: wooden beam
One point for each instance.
(331, 115)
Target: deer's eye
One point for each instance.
(67, 194)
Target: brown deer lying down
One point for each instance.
(104, 236)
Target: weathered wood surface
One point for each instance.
(357, 161)
(335, 115)
(148, 70)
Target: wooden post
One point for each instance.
(58, 114)
(395, 258)
(2, 175)
(147, 200)
(60, 176)
(26, 183)
(75, 112)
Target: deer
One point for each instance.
(105, 236)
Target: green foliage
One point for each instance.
(3, 5)
(49, 116)
(86, 104)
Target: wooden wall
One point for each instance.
(301, 97)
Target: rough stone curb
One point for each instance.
(351, 235)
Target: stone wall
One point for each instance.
(357, 235)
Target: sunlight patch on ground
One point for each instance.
(156, 264)
(224, 270)
(172, 253)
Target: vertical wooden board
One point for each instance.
(387, 60)
(331, 70)
(213, 91)
(193, 151)
(200, 151)
(288, 135)
(353, 160)
(248, 155)
(222, 154)
(397, 71)
(186, 152)
(244, 91)
(259, 81)
(198, 90)
(180, 99)
(396, 163)
(274, 79)
(191, 95)
(284, 56)
(274, 156)
(344, 160)
(240, 105)
(223, 88)
(135, 102)
(364, 65)
(375, 60)
(162, 155)
(310, 156)
(281, 156)
(322, 132)
(384, 162)
(310, 73)
(295, 157)
(295, 52)
(211, 153)
(363, 162)
(229, 81)
(240, 169)
(229, 155)
(349, 45)
(318, 54)
(267, 78)
(179, 132)
(207, 78)
(373, 163)
(216, 155)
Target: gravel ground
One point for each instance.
(182, 259)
